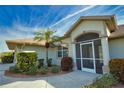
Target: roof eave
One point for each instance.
(112, 18)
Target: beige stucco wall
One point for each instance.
(68, 42)
(42, 54)
(116, 48)
(88, 26)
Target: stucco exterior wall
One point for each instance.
(68, 41)
(42, 54)
(116, 48)
(85, 27)
(91, 26)
(88, 26)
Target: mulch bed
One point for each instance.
(119, 85)
(20, 75)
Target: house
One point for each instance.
(55, 52)
(92, 41)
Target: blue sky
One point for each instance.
(24, 21)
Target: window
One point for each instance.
(62, 51)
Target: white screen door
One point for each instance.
(87, 57)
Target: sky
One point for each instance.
(23, 21)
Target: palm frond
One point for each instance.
(47, 35)
(56, 39)
(39, 36)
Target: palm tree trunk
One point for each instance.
(47, 46)
(47, 56)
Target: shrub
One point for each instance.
(107, 80)
(49, 62)
(7, 57)
(55, 69)
(66, 63)
(26, 60)
(43, 70)
(32, 70)
(117, 68)
(15, 69)
(40, 63)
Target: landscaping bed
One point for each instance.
(20, 75)
(28, 65)
(119, 85)
(113, 80)
(104, 81)
(35, 71)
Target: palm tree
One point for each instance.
(49, 37)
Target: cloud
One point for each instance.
(60, 18)
(16, 31)
(63, 25)
(73, 14)
(67, 15)
(120, 19)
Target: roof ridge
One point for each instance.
(98, 16)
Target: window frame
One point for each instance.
(62, 50)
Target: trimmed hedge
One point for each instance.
(25, 60)
(117, 68)
(66, 64)
(32, 70)
(7, 57)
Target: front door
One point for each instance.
(87, 57)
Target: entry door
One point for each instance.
(87, 57)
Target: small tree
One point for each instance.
(49, 36)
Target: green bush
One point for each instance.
(26, 60)
(43, 70)
(55, 69)
(15, 69)
(66, 64)
(7, 57)
(107, 80)
(117, 68)
(40, 63)
(32, 70)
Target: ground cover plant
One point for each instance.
(106, 81)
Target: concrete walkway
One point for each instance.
(74, 79)
(6, 66)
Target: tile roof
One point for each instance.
(118, 33)
(26, 41)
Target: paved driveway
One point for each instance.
(5, 66)
(71, 80)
